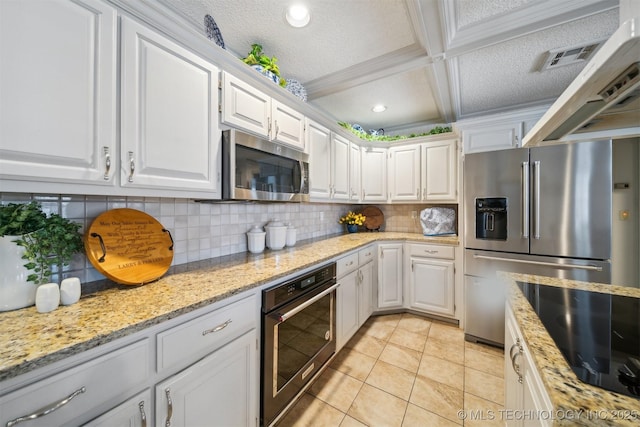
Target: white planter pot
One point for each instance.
(15, 291)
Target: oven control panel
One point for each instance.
(284, 292)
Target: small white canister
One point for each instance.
(291, 235)
(276, 235)
(70, 291)
(47, 297)
(256, 239)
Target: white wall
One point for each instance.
(625, 250)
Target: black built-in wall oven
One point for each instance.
(298, 337)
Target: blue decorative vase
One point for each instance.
(352, 228)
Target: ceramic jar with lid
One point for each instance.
(256, 239)
(276, 235)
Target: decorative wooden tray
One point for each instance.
(129, 247)
(374, 218)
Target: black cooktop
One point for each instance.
(598, 334)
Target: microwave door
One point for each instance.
(495, 190)
(571, 186)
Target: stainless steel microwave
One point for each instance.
(257, 169)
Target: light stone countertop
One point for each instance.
(29, 340)
(569, 395)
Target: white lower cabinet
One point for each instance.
(430, 279)
(355, 293)
(134, 412)
(524, 391)
(390, 275)
(218, 390)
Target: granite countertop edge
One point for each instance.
(30, 340)
(570, 397)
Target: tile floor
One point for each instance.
(405, 370)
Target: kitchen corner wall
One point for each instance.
(209, 230)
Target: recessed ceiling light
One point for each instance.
(298, 15)
(378, 108)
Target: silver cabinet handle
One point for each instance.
(107, 162)
(525, 200)
(269, 126)
(514, 365)
(424, 193)
(363, 194)
(217, 328)
(47, 410)
(418, 193)
(536, 200)
(132, 166)
(431, 251)
(143, 415)
(277, 130)
(167, 392)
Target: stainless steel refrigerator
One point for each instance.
(541, 210)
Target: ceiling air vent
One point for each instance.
(570, 55)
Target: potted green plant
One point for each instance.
(31, 245)
(264, 64)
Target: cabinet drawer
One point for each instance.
(432, 251)
(84, 388)
(365, 255)
(346, 264)
(188, 342)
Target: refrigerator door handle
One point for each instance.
(536, 199)
(525, 200)
(546, 264)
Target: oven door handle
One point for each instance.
(283, 317)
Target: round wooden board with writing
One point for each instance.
(128, 246)
(373, 217)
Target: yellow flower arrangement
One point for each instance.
(352, 218)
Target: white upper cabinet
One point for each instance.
(170, 138)
(319, 147)
(374, 174)
(440, 172)
(58, 91)
(245, 107)
(340, 151)
(404, 173)
(354, 172)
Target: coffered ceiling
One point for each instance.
(429, 61)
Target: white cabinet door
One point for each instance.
(220, 389)
(431, 286)
(512, 379)
(287, 126)
(319, 146)
(494, 136)
(58, 91)
(354, 172)
(365, 292)
(347, 308)
(170, 139)
(440, 176)
(340, 167)
(390, 275)
(134, 412)
(404, 173)
(374, 174)
(244, 106)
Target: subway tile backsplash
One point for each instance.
(208, 230)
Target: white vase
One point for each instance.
(15, 291)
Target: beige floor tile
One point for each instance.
(446, 332)
(443, 371)
(375, 407)
(309, 411)
(366, 344)
(379, 330)
(451, 351)
(386, 319)
(335, 388)
(415, 323)
(418, 417)
(491, 363)
(391, 379)
(401, 357)
(484, 385)
(436, 397)
(351, 422)
(408, 339)
(353, 363)
(481, 413)
(484, 348)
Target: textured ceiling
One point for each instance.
(429, 61)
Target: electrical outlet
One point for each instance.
(414, 214)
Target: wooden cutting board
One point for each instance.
(374, 217)
(128, 246)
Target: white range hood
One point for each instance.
(604, 99)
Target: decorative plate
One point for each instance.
(296, 88)
(213, 32)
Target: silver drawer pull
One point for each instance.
(167, 392)
(46, 411)
(430, 251)
(217, 328)
(143, 415)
